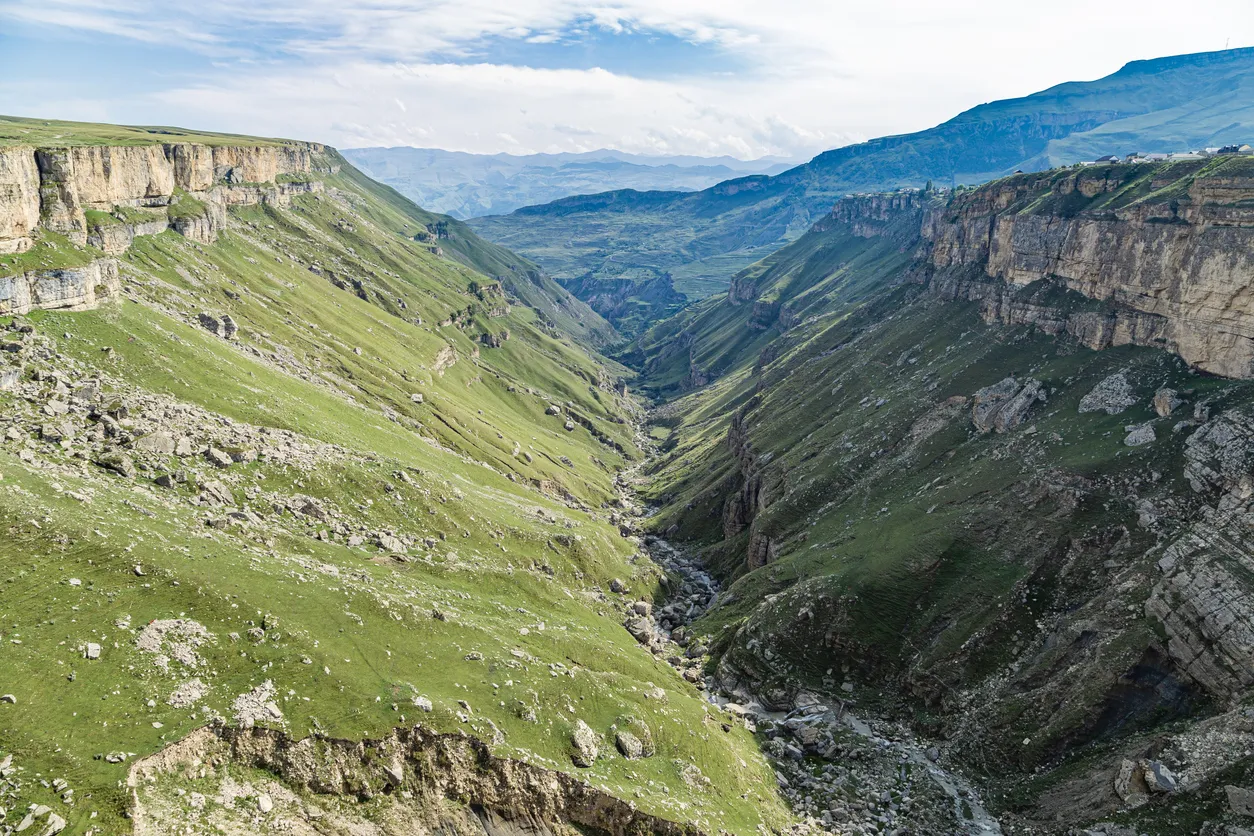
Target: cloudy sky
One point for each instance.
(741, 77)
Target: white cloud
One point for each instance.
(815, 73)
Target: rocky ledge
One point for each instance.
(1112, 255)
(65, 190)
(416, 779)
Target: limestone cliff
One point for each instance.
(54, 187)
(75, 288)
(1149, 255)
(104, 196)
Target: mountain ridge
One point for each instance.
(467, 185)
(698, 240)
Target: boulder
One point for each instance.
(1140, 435)
(1240, 800)
(1158, 777)
(161, 443)
(1166, 402)
(1005, 405)
(641, 629)
(629, 745)
(1112, 396)
(584, 748)
(119, 463)
(217, 458)
(210, 323)
(390, 543)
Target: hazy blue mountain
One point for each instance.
(469, 185)
(698, 240)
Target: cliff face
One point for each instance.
(448, 784)
(1167, 252)
(54, 187)
(82, 192)
(75, 288)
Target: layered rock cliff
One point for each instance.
(103, 197)
(1148, 255)
(441, 783)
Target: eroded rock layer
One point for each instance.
(1158, 256)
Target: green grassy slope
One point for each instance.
(701, 239)
(500, 598)
(17, 130)
(519, 275)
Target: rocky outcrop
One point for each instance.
(1172, 269)
(868, 216)
(1203, 600)
(55, 187)
(1005, 405)
(73, 288)
(433, 769)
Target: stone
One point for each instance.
(629, 745)
(1112, 396)
(1159, 778)
(119, 463)
(1140, 436)
(1130, 784)
(1240, 800)
(583, 741)
(618, 587)
(641, 629)
(569, 426)
(1166, 402)
(390, 543)
(230, 330)
(9, 698)
(553, 409)
(216, 493)
(264, 803)
(184, 448)
(1005, 405)
(417, 397)
(423, 704)
(92, 651)
(161, 443)
(210, 323)
(217, 458)
(55, 825)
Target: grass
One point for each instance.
(335, 353)
(52, 250)
(15, 130)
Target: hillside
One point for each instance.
(311, 521)
(466, 185)
(695, 242)
(953, 468)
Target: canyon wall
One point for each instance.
(1163, 257)
(81, 192)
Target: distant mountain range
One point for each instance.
(697, 241)
(470, 185)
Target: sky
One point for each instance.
(748, 78)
